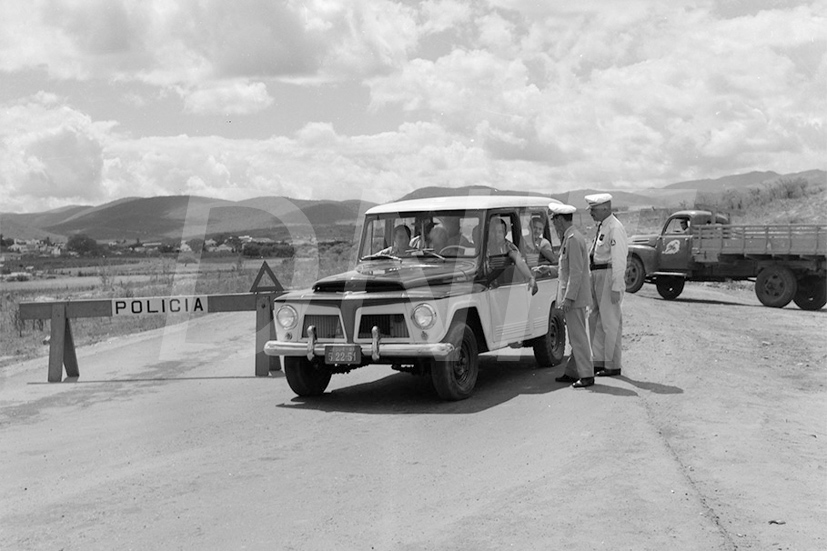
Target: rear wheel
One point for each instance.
(811, 293)
(306, 378)
(775, 286)
(549, 349)
(670, 287)
(454, 377)
(635, 274)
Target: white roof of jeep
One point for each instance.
(464, 202)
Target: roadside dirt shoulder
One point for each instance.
(745, 416)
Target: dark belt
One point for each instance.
(593, 267)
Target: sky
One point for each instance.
(372, 99)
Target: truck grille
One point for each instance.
(390, 325)
(327, 327)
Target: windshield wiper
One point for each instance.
(426, 252)
(381, 256)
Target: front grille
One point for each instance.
(390, 325)
(327, 327)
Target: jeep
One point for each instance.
(426, 297)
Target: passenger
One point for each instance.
(541, 244)
(455, 237)
(498, 245)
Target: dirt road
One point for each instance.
(714, 438)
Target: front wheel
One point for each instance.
(549, 349)
(454, 377)
(670, 287)
(811, 293)
(306, 378)
(775, 286)
(635, 274)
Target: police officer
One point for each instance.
(608, 269)
(574, 295)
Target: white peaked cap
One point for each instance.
(560, 208)
(598, 199)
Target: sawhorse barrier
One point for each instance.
(62, 346)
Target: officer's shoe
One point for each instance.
(583, 382)
(607, 373)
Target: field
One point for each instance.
(786, 202)
(79, 279)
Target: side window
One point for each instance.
(677, 226)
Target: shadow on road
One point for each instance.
(498, 382)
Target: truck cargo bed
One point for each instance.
(712, 241)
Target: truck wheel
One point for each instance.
(635, 274)
(454, 377)
(670, 287)
(304, 377)
(811, 293)
(550, 348)
(775, 286)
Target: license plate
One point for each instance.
(343, 354)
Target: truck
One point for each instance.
(424, 307)
(786, 262)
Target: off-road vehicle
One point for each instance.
(429, 302)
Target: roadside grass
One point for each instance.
(21, 340)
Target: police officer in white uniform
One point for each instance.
(608, 269)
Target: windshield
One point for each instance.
(440, 234)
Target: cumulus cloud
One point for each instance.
(50, 150)
(234, 98)
(542, 96)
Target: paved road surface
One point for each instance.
(713, 439)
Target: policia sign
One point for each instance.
(159, 305)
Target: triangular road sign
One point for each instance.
(275, 288)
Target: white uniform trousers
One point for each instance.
(580, 361)
(605, 322)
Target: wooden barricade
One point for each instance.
(62, 347)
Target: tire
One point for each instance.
(811, 293)
(775, 286)
(670, 287)
(454, 378)
(305, 378)
(550, 348)
(635, 274)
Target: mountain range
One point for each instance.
(187, 216)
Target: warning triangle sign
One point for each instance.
(257, 288)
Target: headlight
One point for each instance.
(287, 317)
(424, 316)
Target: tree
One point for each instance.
(83, 245)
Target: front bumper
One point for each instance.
(375, 349)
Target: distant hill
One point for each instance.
(184, 216)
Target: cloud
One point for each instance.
(232, 98)
(50, 150)
(541, 96)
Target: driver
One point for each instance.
(438, 238)
(401, 238)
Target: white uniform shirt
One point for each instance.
(611, 247)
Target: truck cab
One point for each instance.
(666, 259)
